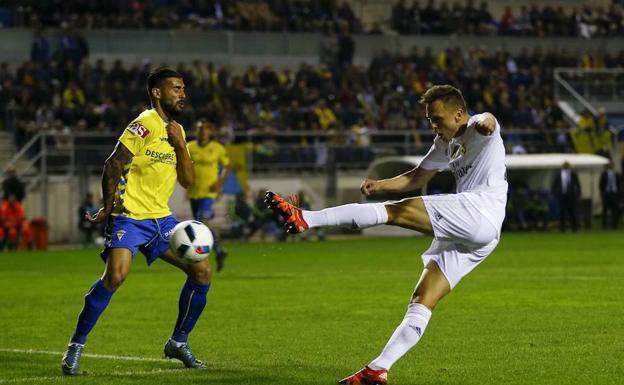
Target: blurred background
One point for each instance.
(309, 97)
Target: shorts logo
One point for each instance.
(138, 129)
(120, 234)
(167, 234)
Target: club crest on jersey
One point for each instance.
(120, 234)
(138, 129)
(457, 150)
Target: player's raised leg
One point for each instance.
(431, 287)
(193, 297)
(118, 263)
(408, 213)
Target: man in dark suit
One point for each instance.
(567, 190)
(610, 191)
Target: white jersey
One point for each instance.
(478, 164)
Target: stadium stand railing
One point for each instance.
(66, 153)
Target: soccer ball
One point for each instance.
(191, 241)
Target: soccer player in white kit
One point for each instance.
(466, 226)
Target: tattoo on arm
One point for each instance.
(113, 168)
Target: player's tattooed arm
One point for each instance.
(113, 167)
(486, 124)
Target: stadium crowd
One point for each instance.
(251, 15)
(68, 95)
(528, 20)
(407, 17)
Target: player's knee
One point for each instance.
(409, 213)
(112, 280)
(201, 273)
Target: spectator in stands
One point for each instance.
(507, 24)
(12, 185)
(329, 50)
(346, 48)
(40, 48)
(73, 101)
(584, 134)
(537, 211)
(240, 213)
(86, 228)
(611, 192)
(13, 218)
(74, 48)
(399, 19)
(324, 115)
(567, 190)
(604, 134)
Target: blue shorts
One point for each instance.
(150, 236)
(202, 208)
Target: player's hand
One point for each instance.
(486, 124)
(174, 135)
(99, 217)
(369, 186)
(216, 187)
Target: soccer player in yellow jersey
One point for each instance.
(212, 166)
(137, 182)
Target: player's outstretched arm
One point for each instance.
(113, 167)
(412, 180)
(184, 168)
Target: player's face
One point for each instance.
(204, 132)
(445, 120)
(172, 97)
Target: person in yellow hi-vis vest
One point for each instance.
(212, 166)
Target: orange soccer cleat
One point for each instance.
(293, 219)
(367, 376)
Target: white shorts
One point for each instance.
(463, 237)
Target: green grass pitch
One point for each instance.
(542, 309)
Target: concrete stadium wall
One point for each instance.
(65, 196)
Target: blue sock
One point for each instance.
(191, 305)
(217, 244)
(96, 300)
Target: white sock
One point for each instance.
(354, 214)
(176, 343)
(406, 335)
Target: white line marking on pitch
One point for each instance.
(113, 374)
(91, 355)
